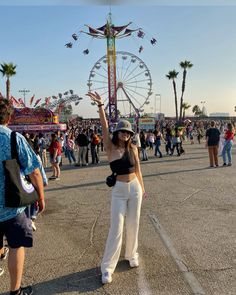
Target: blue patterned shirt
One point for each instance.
(28, 161)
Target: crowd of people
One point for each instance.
(80, 145)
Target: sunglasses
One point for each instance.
(124, 131)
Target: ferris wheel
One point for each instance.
(133, 83)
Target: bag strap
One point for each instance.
(14, 153)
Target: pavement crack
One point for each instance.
(93, 227)
(192, 194)
(219, 269)
(91, 243)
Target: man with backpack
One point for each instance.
(14, 224)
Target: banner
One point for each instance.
(15, 102)
(22, 104)
(37, 101)
(47, 100)
(31, 100)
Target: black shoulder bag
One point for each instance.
(19, 192)
(111, 180)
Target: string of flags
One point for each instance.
(59, 100)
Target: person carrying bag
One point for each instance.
(14, 224)
(127, 193)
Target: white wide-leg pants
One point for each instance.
(126, 202)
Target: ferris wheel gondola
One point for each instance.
(133, 82)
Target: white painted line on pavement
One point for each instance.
(142, 282)
(188, 275)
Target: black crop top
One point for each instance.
(124, 165)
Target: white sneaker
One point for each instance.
(5, 253)
(1, 271)
(33, 225)
(134, 262)
(106, 278)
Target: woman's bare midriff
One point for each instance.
(126, 177)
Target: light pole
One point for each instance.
(203, 103)
(158, 94)
(24, 91)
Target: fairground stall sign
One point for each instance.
(146, 123)
(39, 119)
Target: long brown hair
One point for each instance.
(115, 140)
(128, 144)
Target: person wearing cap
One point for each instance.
(126, 194)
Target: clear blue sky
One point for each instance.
(33, 37)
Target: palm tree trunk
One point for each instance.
(183, 114)
(182, 95)
(8, 88)
(176, 101)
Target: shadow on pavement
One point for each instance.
(177, 171)
(169, 159)
(81, 282)
(89, 184)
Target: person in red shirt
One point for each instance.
(227, 149)
(55, 157)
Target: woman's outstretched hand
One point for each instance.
(95, 97)
(145, 195)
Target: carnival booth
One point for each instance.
(147, 123)
(35, 120)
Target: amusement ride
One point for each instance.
(122, 77)
(133, 83)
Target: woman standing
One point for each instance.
(126, 194)
(55, 157)
(176, 141)
(227, 148)
(70, 147)
(143, 142)
(158, 139)
(151, 140)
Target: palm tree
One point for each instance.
(172, 75)
(8, 70)
(185, 106)
(196, 110)
(184, 65)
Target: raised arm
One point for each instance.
(105, 131)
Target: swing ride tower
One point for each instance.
(111, 70)
(110, 32)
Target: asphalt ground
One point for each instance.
(187, 241)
